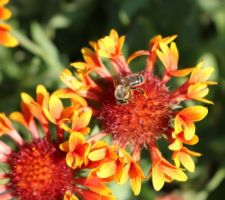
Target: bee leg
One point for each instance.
(139, 90)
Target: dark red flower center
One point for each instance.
(39, 171)
(143, 118)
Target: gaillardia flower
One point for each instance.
(36, 167)
(6, 39)
(138, 109)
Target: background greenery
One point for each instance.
(52, 33)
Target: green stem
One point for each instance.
(212, 185)
(27, 43)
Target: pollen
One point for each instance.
(39, 171)
(143, 118)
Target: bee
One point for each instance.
(123, 90)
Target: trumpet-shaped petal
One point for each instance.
(198, 91)
(158, 39)
(183, 156)
(200, 74)
(5, 124)
(136, 176)
(169, 56)
(107, 169)
(163, 171)
(178, 142)
(92, 63)
(110, 46)
(77, 150)
(184, 121)
(97, 154)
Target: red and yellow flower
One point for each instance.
(152, 112)
(38, 168)
(6, 39)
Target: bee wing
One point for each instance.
(116, 76)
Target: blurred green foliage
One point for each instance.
(52, 32)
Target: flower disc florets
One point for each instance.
(39, 170)
(143, 118)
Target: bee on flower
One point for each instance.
(140, 114)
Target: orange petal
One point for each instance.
(71, 160)
(176, 174)
(120, 43)
(6, 39)
(64, 146)
(3, 2)
(197, 91)
(5, 13)
(181, 72)
(194, 113)
(137, 54)
(75, 139)
(168, 56)
(42, 96)
(200, 74)
(84, 118)
(187, 161)
(99, 144)
(17, 116)
(55, 107)
(106, 170)
(27, 99)
(124, 174)
(79, 65)
(97, 155)
(97, 186)
(157, 177)
(193, 141)
(136, 185)
(176, 145)
(177, 126)
(113, 34)
(189, 131)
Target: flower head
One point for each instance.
(39, 169)
(138, 109)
